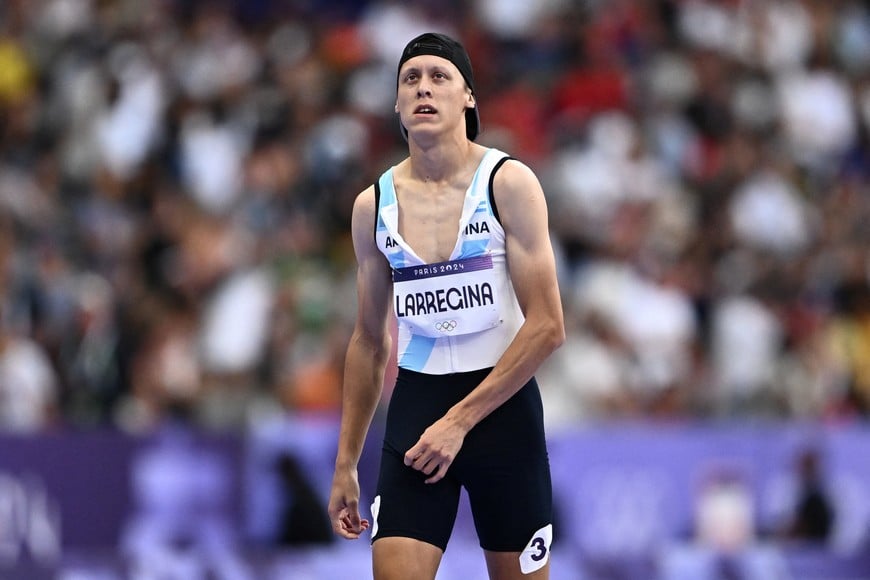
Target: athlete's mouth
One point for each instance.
(425, 110)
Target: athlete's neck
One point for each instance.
(442, 161)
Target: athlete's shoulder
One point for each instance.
(364, 208)
(513, 175)
(365, 198)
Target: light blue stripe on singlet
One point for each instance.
(417, 352)
(388, 192)
(473, 248)
(473, 186)
(388, 197)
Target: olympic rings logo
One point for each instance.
(445, 325)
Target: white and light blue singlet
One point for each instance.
(459, 315)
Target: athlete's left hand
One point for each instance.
(436, 449)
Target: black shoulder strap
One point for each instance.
(491, 181)
(377, 208)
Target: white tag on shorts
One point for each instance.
(537, 552)
(376, 507)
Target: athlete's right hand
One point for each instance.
(344, 505)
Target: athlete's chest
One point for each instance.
(430, 220)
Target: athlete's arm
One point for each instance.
(367, 354)
(523, 214)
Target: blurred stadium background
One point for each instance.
(176, 277)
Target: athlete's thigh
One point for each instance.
(512, 505)
(512, 510)
(396, 558)
(506, 566)
(407, 507)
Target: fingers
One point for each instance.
(431, 464)
(346, 521)
(419, 460)
(434, 452)
(348, 524)
(413, 454)
(439, 474)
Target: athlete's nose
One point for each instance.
(423, 89)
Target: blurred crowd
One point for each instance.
(177, 176)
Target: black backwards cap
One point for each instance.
(442, 45)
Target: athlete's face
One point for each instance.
(432, 95)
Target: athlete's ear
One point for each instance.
(470, 101)
(397, 106)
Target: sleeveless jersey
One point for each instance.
(459, 315)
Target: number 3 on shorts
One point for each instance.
(537, 552)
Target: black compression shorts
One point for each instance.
(502, 464)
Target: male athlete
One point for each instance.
(454, 240)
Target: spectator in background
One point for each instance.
(589, 376)
(813, 515)
(304, 521)
(849, 334)
(314, 385)
(93, 353)
(746, 339)
(165, 369)
(28, 384)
